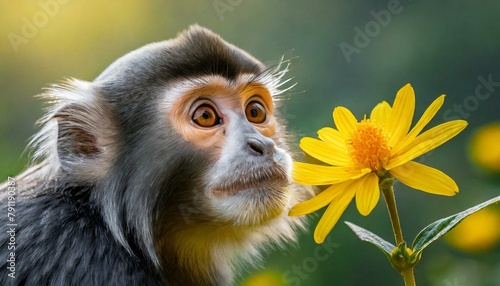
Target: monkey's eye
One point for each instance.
(255, 112)
(206, 116)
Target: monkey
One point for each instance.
(172, 167)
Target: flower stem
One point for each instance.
(408, 277)
(390, 200)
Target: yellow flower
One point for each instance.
(479, 232)
(362, 152)
(266, 278)
(485, 150)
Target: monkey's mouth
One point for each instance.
(258, 180)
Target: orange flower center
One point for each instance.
(368, 146)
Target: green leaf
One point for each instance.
(368, 236)
(439, 228)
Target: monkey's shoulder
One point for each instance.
(59, 240)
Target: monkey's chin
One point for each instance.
(253, 197)
(251, 206)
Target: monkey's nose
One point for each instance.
(260, 147)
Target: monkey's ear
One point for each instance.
(78, 133)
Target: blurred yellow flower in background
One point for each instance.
(266, 278)
(485, 147)
(361, 152)
(477, 233)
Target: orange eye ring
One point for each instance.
(255, 112)
(205, 115)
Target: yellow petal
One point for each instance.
(402, 114)
(427, 141)
(310, 174)
(429, 113)
(314, 204)
(334, 211)
(344, 120)
(381, 113)
(332, 137)
(425, 178)
(367, 194)
(325, 152)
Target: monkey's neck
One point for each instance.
(201, 255)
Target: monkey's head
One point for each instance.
(181, 147)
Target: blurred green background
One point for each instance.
(349, 53)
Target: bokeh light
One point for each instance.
(485, 147)
(479, 232)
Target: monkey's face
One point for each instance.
(234, 123)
